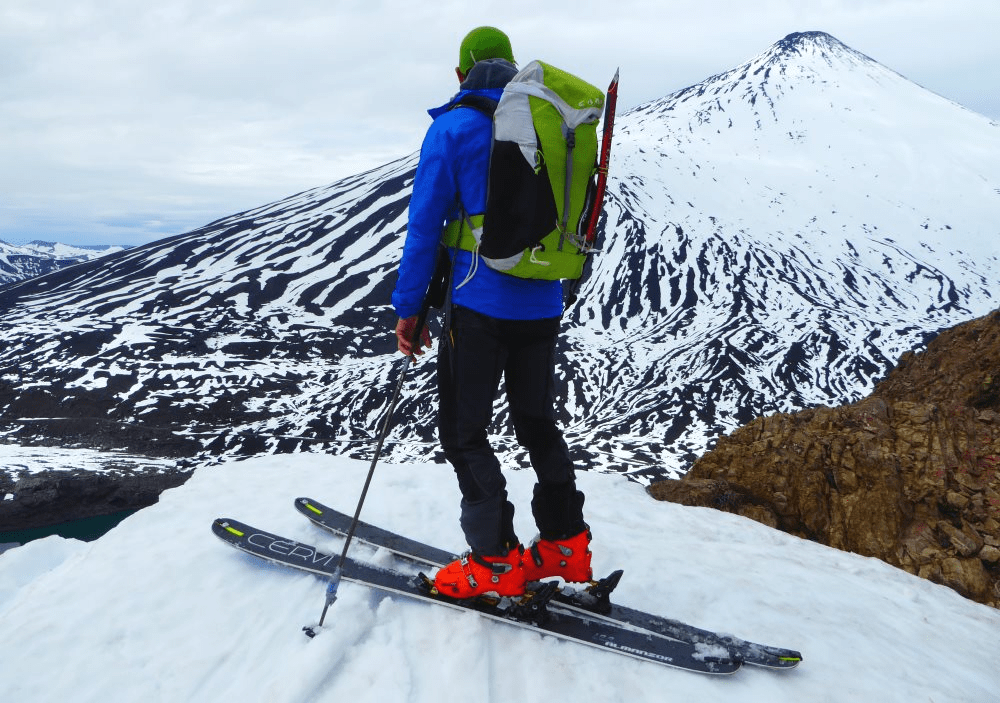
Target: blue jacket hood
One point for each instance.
(486, 78)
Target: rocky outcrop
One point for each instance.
(910, 475)
(53, 497)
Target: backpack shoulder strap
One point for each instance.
(485, 105)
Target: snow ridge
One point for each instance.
(38, 258)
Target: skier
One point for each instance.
(497, 326)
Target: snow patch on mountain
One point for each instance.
(25, 461)
(775, 237)
(778, 235)
(38, 258)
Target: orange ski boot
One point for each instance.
(475, 575)
(568, 559)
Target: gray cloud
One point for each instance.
(194, 111)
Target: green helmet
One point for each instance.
(483, 43)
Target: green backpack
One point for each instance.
(541, 181)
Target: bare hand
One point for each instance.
(406, 335)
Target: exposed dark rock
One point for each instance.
(51, 497)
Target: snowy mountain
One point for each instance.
(775, 237)
(198, 621)
(39, 258)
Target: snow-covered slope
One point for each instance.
(779, 234)
(38, 258)
(160, 610)
(776, 237)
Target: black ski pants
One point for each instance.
(474, 355)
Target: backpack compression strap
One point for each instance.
(464, 233)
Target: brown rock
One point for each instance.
(931, 572)
(967, 576)
(762, 515)
(956, 500)
(965, 540)
(990, 554)
(910, 475)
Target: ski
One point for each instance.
(593, 600)
(528, 612)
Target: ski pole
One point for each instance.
(334, 583)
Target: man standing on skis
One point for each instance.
(498, 326)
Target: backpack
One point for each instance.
(543, 164)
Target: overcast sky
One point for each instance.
(124, 121)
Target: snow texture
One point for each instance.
(24, 461)
(160, 610)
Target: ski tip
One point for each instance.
(308, 505)
(225, 525)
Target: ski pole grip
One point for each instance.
(419, 327)
(435, 297)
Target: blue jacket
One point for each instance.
(454, 165)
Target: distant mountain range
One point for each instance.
(39, 258)
(775, 237)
